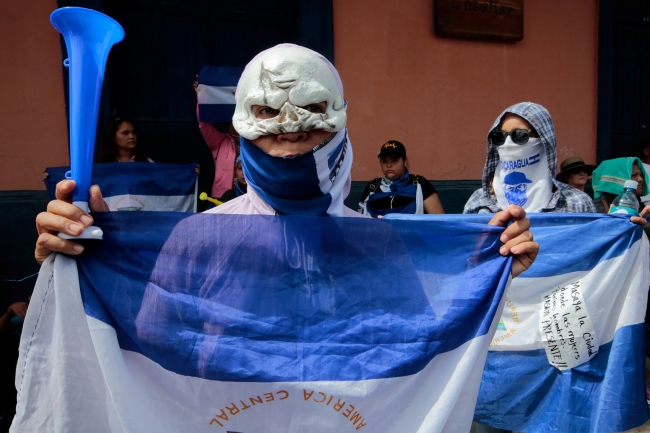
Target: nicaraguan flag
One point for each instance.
(569, 351)
(240, 323)
(139, 186)
(216, 92)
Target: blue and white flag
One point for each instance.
(216, 92)
(139, 186)
(569, 351)
(240, 323)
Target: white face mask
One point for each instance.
(285, 78)
(522, 177)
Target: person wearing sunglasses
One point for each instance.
(521, 165)
(520, 169)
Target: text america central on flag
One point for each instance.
(258, 323)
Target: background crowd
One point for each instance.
(574, 186)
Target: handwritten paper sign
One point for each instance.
(568, 335)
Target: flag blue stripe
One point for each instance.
(220, 75)
(605, 394)
(216, 112)
(562, 236)
(262, 298)
(138, 178)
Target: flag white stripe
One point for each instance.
(216, 94)
(85, 382)
(611, 294)
(158, 203)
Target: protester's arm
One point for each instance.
(16, 309)
(64, 217)
(432, 204)
(212, 136)
(223, 151)
(517, 238)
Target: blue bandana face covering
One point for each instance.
(401, 187)
(313, 184)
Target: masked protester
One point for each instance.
(294, 145)
(398, 191)
(521, 165)
(520, 170)
(296, 154)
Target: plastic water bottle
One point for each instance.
(626, 203)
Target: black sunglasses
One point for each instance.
(518, 136)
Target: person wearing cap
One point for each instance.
(240, 187)
(296, 155)
(610, 176)
(398, 191)
(575, 173)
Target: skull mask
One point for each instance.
(285, 78)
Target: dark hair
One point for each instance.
(108, 152)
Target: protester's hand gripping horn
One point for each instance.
(89, 36)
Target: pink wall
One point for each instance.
(439, 96)
(32, 109)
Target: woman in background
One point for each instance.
(398, 191)
(610, 176)
(121, 143)
(575, 173)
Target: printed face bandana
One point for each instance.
(522, 177)
(315, 183)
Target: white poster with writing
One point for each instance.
(568, 335)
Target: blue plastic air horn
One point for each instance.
(89, 36)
